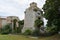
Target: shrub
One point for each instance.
(27, 32)
(36, 33)
(6, 29)
(51, 30)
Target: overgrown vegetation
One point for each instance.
(52, 14)
(38, 24)
(27, 32)
(6, 29)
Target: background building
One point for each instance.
(3, 22)
(8, 20)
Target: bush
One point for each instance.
(51, 30)
(19, 29)
(36, 33)
(6, 29)
(27, 32)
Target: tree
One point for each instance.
(38, 24)
(21, 23)
(14, 25)
(52, 13)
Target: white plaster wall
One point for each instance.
(30, 17)
(29, 20)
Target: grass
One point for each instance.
(14, 37)
(54, 37)
(21, 37)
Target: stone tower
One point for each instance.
(31, 14)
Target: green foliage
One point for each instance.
(20, 26)
(38, 23)
(27, 32)
(51, 29)
(14, 24)
(19, 29)
(6, 29)
(52, 13)
(36, 33)
(21, 23)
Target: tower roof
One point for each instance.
(33, 4)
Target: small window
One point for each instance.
(39, 18)
(35, 10)
(38, 13)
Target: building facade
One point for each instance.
(31, 14)
(8, 20)
(3, 22)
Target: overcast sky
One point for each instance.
(17, 7)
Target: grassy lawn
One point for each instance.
(20, 37)
(14, 37)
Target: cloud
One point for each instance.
(17, 7)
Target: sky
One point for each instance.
(17, 7)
